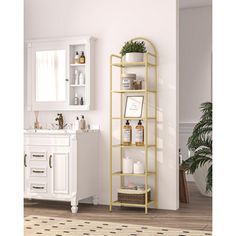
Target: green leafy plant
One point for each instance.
(133, 46)
(200, 143)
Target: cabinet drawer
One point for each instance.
(42, 140)
(38, 188)
(38, 172)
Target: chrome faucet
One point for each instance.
(60, 121)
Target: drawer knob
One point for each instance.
(37, 187)
(38, 171)
(38, 155)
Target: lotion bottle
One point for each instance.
(139, 134)
(127, 134)
(82, 123)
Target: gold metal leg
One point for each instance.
(146, 133)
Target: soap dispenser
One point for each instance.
(139, 134)
(127, 134)
(82, 123)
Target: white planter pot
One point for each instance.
(200, 176)
(134, 57)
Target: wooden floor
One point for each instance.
(195, 215)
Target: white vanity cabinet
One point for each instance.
(61, 167)
(52, 71)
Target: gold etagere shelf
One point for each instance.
(146, 92)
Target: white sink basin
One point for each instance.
(50, 131)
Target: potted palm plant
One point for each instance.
(133, 51)
(200, 143)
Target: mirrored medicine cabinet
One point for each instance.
(60, 74)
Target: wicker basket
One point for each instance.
(134, 196)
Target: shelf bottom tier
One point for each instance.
(117, 203)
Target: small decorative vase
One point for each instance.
(134, 57)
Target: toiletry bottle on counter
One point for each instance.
(77, 123)
(76, 58)
(82, 58)
(82, 123)
(76, 99)
(127, 134)
(139, 134)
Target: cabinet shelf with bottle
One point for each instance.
(145, 146)
(78, 73)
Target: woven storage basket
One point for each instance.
(134, 196)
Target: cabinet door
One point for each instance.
(59, 169)
(48, 74)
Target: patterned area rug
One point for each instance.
(53, 226)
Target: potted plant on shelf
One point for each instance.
(200, 143)
(133, 51)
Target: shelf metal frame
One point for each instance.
(122, 65)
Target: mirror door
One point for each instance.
(49, 76)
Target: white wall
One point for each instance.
(195, 61)
(112, 22)
(195, 67)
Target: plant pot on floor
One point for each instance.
(134, 57)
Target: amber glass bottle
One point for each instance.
(139, 134)
(82, 58)
(127, 134)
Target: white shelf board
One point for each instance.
(78, 64)
(77, 85)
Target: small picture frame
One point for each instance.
(133, 106)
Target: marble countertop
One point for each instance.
(58, 131)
